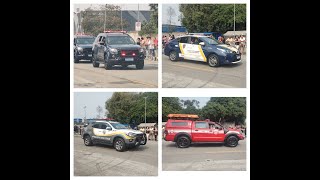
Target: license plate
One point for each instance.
(89, 55)
(238, 57)
(128, 59)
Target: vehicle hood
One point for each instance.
(224, 46)
(85, 45)
(126, 47)
(130, 130)
(231, 130)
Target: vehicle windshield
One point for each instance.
(85, 40)
(118, 125)
(210, 41)
(120, 40)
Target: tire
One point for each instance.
(75, 59)
(94, 62)
(183, 142)
(213, 60)
(144, 140)
(87, 141)
(119, 145)
(232, 141)
(140, 65)
(107, 65)
(173, 56)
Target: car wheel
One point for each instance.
(87, 140)
(173, 56)
(119, 144)
(140, 65)
(183, 142)
(75, 59)
(213, 60)
(232, 141)
(94, 62)
(144, 140)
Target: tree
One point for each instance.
(213, 17)
(170, 105)
(93, 20)
(99, 110)
(128, 107)
(190, 106)
(225, 109)
(151, 27)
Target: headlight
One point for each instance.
(80, 49)
(224, 50)
(130, 134)
(113, 51)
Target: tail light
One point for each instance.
(123, 53)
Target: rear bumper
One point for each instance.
(126, 61)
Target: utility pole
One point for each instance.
(121, 18)
(234, 20)
(145, 112)
(105, 17)
(138, 13)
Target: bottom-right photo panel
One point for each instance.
(204, 134)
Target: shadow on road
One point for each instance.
(131, 67)
(133, 149)
(198, 145)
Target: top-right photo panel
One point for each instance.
(204, 45)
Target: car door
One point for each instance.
(180, 46)
(193, 50)
(96, 133)
(217, 133)
(201, 132)
(106, 133)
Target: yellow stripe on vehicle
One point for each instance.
(202, 54)
(181, 48)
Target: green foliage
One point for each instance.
(151, 27)
(170, 105)
(190, 107)
(212, 17)
(228, 109)
(125, 106)
(93, 20)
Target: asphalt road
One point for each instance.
(204, 157)
(86, 76)
(193, 74)
(101, 160)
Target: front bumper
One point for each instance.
(241, 136)
(129, 60)
(231, 58)
(84, 56)
(135, 141)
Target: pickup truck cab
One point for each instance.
(184, 129)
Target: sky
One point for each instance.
(91, 100)
(203, 100)
(165, 17)
(123, 6)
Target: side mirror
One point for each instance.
(201, 43)
(108, 128)
(101, 43)
(85, 125)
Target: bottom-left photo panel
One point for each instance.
(115, 134)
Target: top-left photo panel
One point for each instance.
(115, 45)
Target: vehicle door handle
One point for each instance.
(196, 130)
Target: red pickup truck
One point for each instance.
(186, 128)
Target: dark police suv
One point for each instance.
(82, 47)
(117, 48)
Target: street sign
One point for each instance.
(138, 26)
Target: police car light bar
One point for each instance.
(112, 31)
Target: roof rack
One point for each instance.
(193, 116)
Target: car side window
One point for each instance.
(104, 126)
(183, 40)
(202, 125)
(95, 126)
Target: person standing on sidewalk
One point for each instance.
(155, 41)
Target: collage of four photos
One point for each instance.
(118, 49)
